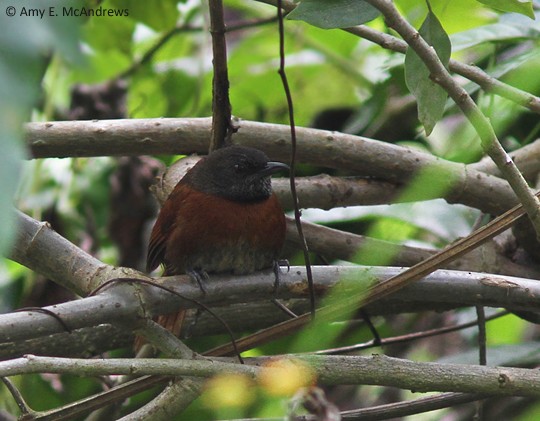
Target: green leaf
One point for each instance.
(511, 27)
(487, 33)
(518, 6)
(330, 14)
(157, 14)
(431, 98)
(98, 33)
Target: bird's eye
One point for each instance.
(237, 168)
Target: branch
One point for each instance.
(429, 376)
(335, 244)
(410, 407)
(241, 317)
(177, 395)
(124, 304)
(526, 158)
(151, 52)
(357, 154)
(169, 403)
(329, 370)
(321, 191)
(326, 192)
(180, 28)
(122, 366)
(221, 107)
(40, 248)
(35, 236)
(473, 73)
(439, 74)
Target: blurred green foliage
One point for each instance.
(42, 59)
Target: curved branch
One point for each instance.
(38, 247)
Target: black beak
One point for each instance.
(271, 168)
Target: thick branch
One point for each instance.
(336, 244)
(125, 304)
(40, 248)
(326, 192)
(321, 191)
(424, 377)
(357, 154)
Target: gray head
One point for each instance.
(236, 173)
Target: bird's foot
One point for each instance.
(201, 277)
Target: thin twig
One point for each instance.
(152, 51)
(389, 286)
(408, 337)
(482, 339)
(171, 291)
(17, 397)
(489, 141)
(48, 312)
(473, 73)
(182, 28)
(412, 407)
(297, 214)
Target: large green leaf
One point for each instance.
(431, 98)
(330, 14)
(525, 7)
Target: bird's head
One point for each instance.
(236, 173)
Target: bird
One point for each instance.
(221, 217)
